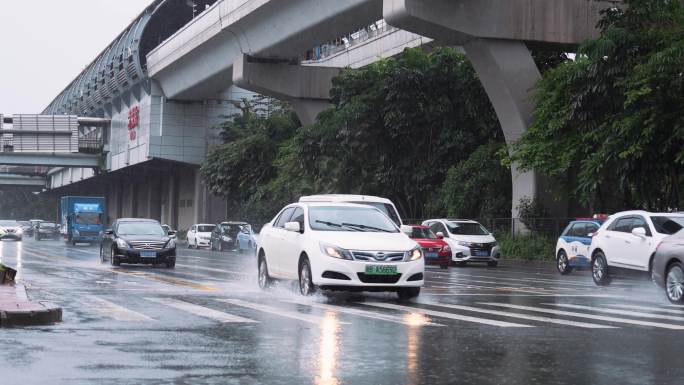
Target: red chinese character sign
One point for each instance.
(133, 122)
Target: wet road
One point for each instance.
(206, 322)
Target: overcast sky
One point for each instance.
(45, 44)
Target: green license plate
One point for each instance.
(381, 270)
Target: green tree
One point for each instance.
(397, 127)
(610, 125)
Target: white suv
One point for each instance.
(469, 241)
(339, 246)
(628, 240)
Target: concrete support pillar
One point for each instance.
(493, 34)
(172, 203)
(307, 88)
(200, 214)
(508, 73)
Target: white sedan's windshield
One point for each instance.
(140, 228)
(336, 218)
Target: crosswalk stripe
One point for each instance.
(367, 314)
(317, 320)
(215, 270)
(620, 312)
(201, 311)
(458, 317)
(115, 311)
(585, 315)
(523, 316)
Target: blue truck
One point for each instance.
(83, 219)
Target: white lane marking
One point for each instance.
(366, 314)
(115, 311)
(585, 315)
(317, 320)
(618, 312)
(215, 270)
(522, 316)
(200, 310)
(441, 314)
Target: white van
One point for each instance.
(383, 204)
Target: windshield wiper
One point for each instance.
(333, 224)
(367, 227)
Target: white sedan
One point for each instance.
(339, 246)
(200, 235)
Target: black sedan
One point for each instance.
(142, 241)
(225, 235)
(668, 267)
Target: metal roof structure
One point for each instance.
(122, 65)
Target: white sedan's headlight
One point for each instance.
(414, 254)
(464, 243)
(121, 243)
(336, 252)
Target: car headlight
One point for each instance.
(415, 254)
(336, 252)
(171, 244)
(464, 243)
(121, 243)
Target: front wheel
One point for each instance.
(306, 285)
(407, 293)
(102, 254)
(599, 270)
(562, 263)
(113, 259)
(674, 283)
(171, 264)
(265, 280)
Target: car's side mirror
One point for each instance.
(109, 232)
(293, 227)
(440, 235)
(639, 232)
(408, 230)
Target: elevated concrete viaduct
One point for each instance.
(199, 60)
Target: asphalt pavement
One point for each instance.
(207, 322)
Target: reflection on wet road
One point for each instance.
(207, 322)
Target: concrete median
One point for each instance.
(17, 310)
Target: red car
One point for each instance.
(435, 250)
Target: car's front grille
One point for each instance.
(147, 245)
(378, 256)
(481, 247)
(379, 278)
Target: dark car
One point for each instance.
(142, 241)
(225, 235)
(668, 267)
(46, 230)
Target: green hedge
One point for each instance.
(533, 247)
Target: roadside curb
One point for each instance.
(16, 310)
